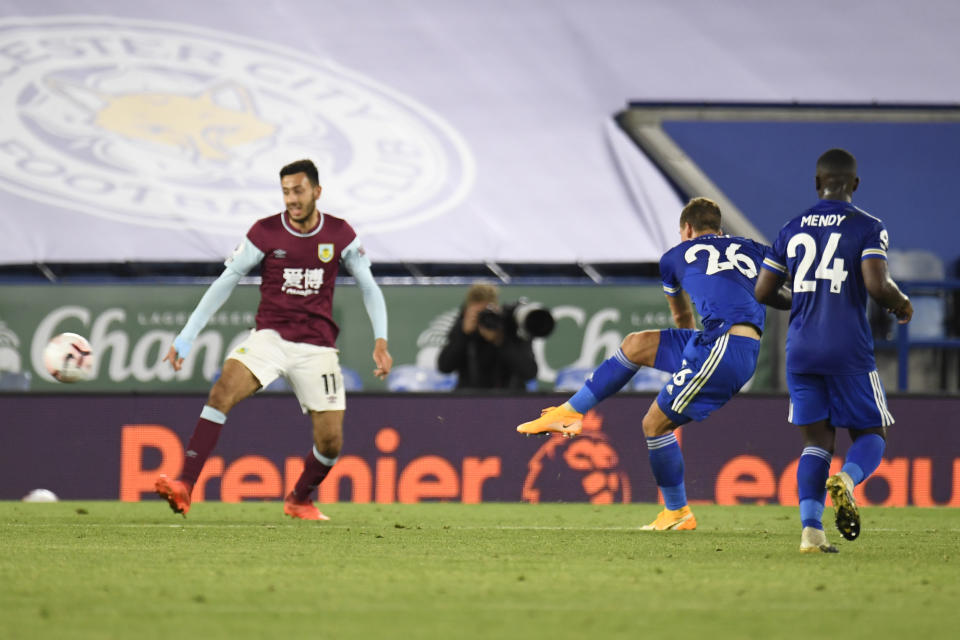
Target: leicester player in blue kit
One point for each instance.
(835, 255)
(709, 366)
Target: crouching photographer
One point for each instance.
(489, 344)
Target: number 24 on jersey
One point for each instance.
(829, 268)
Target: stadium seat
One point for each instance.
(351, 379)
(11, 381)
(928, 318)
(915, 264)
(647, 379)
(929, 310)
(351, 382)
(571, 378)
(280, 385)
(410, 377)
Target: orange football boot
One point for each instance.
(175, 493)
(302, 510)
(678, 520)
(563, 420)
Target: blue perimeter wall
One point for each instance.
(908, 173)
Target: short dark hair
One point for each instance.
(837, 162)
(302, 166)
(702, 213)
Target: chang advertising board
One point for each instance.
(131, 328)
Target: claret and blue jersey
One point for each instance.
(820, 252)
(719, 273)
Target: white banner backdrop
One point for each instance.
(445, 130)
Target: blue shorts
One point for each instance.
(705, 376)
(849, 402)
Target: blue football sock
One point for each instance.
(666, 460)
(583, 400)
(811, 513)
(864, 456)
(609, 377)
(812, 472)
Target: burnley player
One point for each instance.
(709, 366)
(835, 255)
(299, 252)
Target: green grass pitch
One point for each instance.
(135, 570)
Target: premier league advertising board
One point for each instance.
(411, 448)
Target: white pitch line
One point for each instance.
(290, 525)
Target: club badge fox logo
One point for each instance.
(325, 252)
(166, 125)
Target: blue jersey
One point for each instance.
(719, 273)
(821, 250)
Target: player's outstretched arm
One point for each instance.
(212, 300)
(884, 290)
(244, 258)
(770, 291)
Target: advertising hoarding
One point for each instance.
(462, 448)
(132, 326)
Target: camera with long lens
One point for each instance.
(524, 318)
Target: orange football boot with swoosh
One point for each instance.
(563, 420)
(673, 520)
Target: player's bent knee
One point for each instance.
(656, 423)
(819, 434)
(655, 430)
(632, 343)
(328, 432)
(236, 382)
(640, 347)
(222, 398)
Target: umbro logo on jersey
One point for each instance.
(279, 254)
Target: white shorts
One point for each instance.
(313, 372)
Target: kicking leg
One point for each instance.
(235, 383)
(637, 349)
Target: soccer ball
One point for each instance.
(69, 358)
